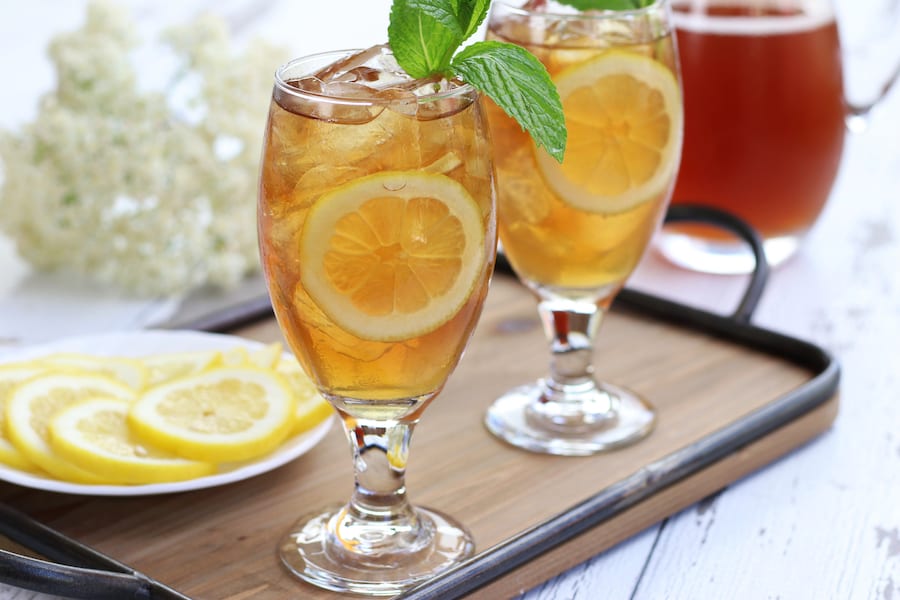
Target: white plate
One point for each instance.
(142, 343)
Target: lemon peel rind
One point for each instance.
(11, 457)
(406, 185)
(649, 72)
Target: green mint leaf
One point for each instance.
(519, 84)
(424, 34)
(607, 4)
(471, 14)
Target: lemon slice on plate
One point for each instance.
(128, 371)
(94, 435)
(394, 255)
(33, 404)
(225, 414)
(623, 116)
(11, 376)
(267, 357)
(166, 367)
(238, 356)
(312, 408)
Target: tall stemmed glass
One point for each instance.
(376, 228)
(574, 232)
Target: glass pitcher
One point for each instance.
(766, 111)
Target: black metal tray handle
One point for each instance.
(711, 216)
(78, 571)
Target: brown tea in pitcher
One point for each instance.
(764, 114)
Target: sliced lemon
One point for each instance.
(624, 120)
(312, 408)
(393, 255)
(221, 415)
(11, 376)
(125, 370)
(236, 357)
(94, 435)
(33, 403)
(166, 367)
(267, 357)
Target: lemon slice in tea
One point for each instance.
(623, 116)
(222, 415)
(94, 435)
(393, 255)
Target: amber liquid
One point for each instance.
(306, 157)
(554, 247)
(764, 118)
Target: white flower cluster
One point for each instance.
(150, 192)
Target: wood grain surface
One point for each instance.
(219, 543)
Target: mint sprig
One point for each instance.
(425, 36)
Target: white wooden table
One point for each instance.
(823, 522)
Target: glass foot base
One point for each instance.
(630, 419)
(313, 554)
(722, 258)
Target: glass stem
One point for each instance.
(571, 399)
(379, 520)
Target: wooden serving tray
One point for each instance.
(731, 398)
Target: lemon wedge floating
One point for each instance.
(94, 435)
(221, 415)
(623, 116)
(393, 255)
(32, 405)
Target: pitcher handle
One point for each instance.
(858, 109)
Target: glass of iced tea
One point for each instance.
(573, 232)
(377, 235)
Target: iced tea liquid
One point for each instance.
(764, 113)
(552, 245)
(310, 151)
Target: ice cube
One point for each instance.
(400, 100)
(338, 69)
(315, 104)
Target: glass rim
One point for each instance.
(281, 84)
(599, 15)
